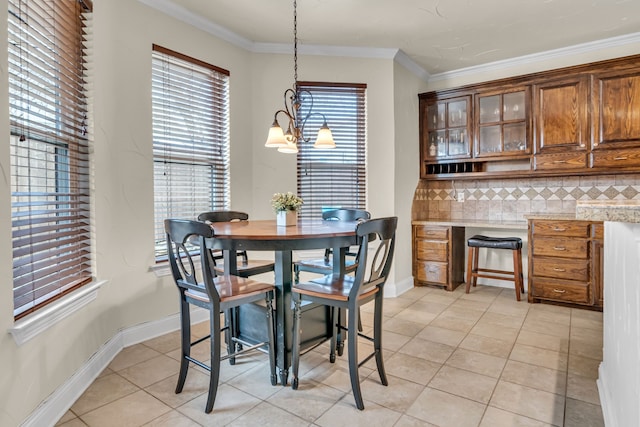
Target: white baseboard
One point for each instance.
(398, 288)
(58, 403)
(605, 398)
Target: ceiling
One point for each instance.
(438, 35)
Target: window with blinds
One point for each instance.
(334, 178)
(190, 113)
(49, 52)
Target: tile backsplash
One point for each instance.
(512, 199)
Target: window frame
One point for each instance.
(190, 122)
(49, 55)
(322, 174)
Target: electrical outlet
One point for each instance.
(460, 197)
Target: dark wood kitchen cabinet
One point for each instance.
(438, 256)
(565, 262)
(502, 123)
(616, 119)
(579, 120)
(560, 111)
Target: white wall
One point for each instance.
(406, 166)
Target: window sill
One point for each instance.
(27, 328)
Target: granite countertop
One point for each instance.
(609, 210)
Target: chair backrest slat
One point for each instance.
(382, 230)
(185, 240)
(346, 214)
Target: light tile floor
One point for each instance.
(452, 359)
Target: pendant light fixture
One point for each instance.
(287, 142)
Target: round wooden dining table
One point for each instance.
(265, 235)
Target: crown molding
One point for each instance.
(170, 8)
(408, 63)
(598, 45)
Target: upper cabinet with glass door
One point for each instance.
(448, 127)
(502, 124)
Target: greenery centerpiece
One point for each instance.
(286, 206)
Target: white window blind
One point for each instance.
(190, 113)
(334, 178)
(49, 49)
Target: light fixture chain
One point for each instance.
(295, 45)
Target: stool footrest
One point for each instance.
(495, 276)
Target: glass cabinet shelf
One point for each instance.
(502, 124)
(448, 125)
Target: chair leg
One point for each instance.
(295, 346)
(469, 269)
(341, 334)
(214, 322)
(352, 349)
(377, 338)
(334, 333)
(476, 252)
(271, 336)
(517, 272)
(230, 334)
(521, 272)
(185, 338)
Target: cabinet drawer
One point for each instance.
(427, 250)
(561, 268)
(560, 228)
(560, 161)
(562, 290)
(563, 248)
(434, 272)
(615, 158)
(433, 233)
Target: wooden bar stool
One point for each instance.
(473, 271)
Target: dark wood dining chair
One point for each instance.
(186, 240)
(325, 265)
(343, 291)
(246, 267)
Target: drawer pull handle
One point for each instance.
(620, 158)
(560, 291)
(559, 161)
(559, 229)
(558, 269)
(559, 248)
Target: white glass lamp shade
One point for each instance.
(276, 136)
(325, 138)
(290, 148)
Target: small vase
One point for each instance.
(286, 218)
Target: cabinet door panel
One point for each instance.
(616, 104)
(561, 115)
